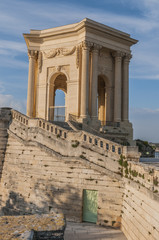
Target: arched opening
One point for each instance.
(59, 107)
(57, 97)
(103, 101)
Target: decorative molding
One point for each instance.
(86, 45)
(127, 57)
(40, 61)
(66, 52)
(96, 47)
(33, 54)
(77, 56)
(118, 54)
(59, 68)
(59, 52)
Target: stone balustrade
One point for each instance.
(90, 139)
(103, 143)
(41, 123)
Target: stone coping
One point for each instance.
(22, 227)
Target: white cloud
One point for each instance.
(21, 15)
(7, 46)
(12, 63)
(10, 101)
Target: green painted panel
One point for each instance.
(90, 206)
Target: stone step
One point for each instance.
(84, 231)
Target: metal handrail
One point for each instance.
(57, 113)
(57, 107)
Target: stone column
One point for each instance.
(125, 102)
(117, 86)
(94, 82)
(85, 79)
(31, 80)
(51, 98)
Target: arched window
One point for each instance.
(59, 106)
(57, 97)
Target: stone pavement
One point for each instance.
(84, 231)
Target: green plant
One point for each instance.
(155, 191)
(155, 181)
(126, 171)
(151, 171)
(130, 170)
(125, 164)
(134, 173)
(58, 135)
(121, 159)
(75, 143)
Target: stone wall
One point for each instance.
(140, 213)
(5, 116)
(35, 181)
(47, 167)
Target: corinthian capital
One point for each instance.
(86, 45)
(32, 54)
(118, 54)
(96, 47)
(127, 57)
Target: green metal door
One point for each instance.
(90, 206)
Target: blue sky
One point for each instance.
(140, 18)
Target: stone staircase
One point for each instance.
(49, 137)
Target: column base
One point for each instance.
(122, 133)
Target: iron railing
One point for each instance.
(57, 113)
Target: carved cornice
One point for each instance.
(33, 54)
(59, 52)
